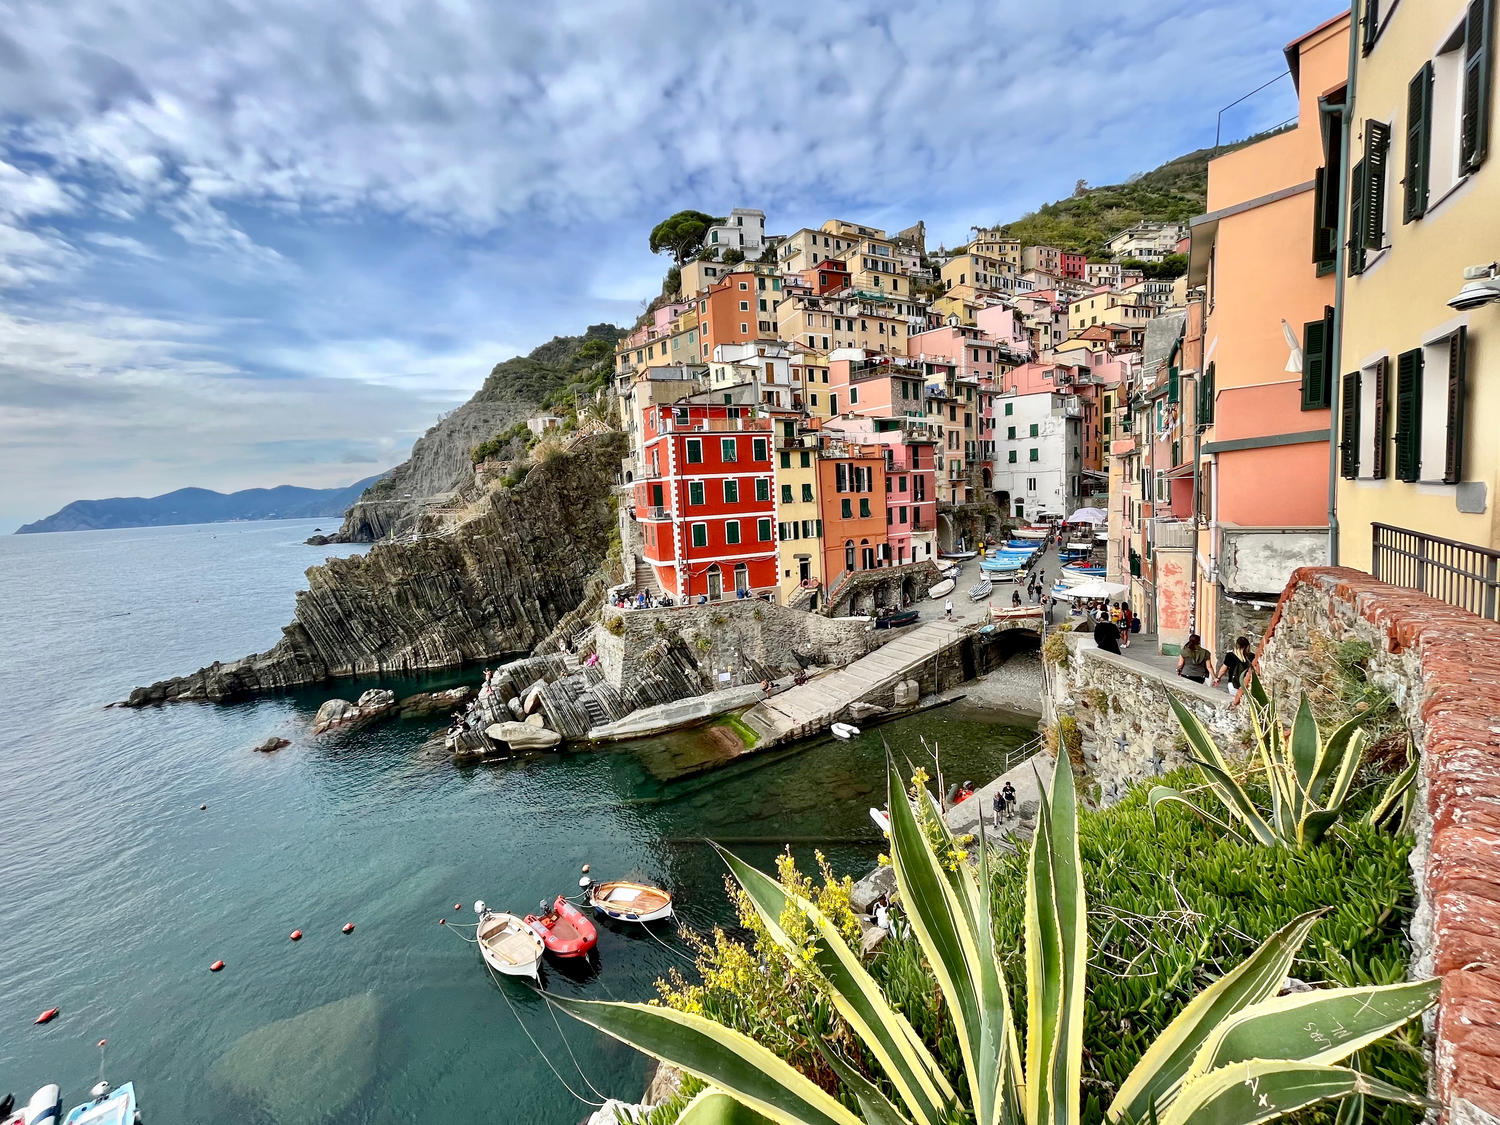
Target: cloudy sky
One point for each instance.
(254, 244)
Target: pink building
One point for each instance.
(882, 386)
(910, 482)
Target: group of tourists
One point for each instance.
(1113, 624)
(1004, 803)
(1196, 663)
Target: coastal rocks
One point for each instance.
(272, 744)
(308, 1069)
(535, 721)
(341, 713)
(376, 698)
(878, 883)
(860, 711)
(435, 702)
(332, 713)
(317, 540)
(494, 585)
(524, 736)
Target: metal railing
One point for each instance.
(1461, 574)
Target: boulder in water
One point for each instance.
(524, 736)
(308, 1069)
(536, 720)
(376, 697)
(513, 704)
(273, 744)
(332, 713)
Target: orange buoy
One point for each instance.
(585, 869)
(48, 1016)
(296, 935)
(442, 921)
(216, 966)
(103, 1041)
(348, 927)
(458, 906)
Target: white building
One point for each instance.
(1149, 242)
(1038, 454)
(744, 230)
(767, 365)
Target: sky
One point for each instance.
(247, 245)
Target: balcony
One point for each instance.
(654, 513)
(801, 441)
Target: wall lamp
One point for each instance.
(1481, 286)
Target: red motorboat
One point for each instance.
(564, 930)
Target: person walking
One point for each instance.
(1009, 795)
(948, 608)
(1015, 599)
(1194, 660)
(1236, 663)
(999, 806)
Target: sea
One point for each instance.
(140, 847)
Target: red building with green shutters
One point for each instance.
(704, 500)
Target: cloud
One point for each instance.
(341, 215)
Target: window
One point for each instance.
(763, 530)
(731, 531)
(786, 494)
(807, 528)
(744, 306)
(762, 489)
(1033, 455)
(814, 399)
(731, 492)
(805, 458)
(1479, 66)
(1370, 418)
(694, 451)
(786, 460)
(901, 484)
(1349, 395)
(1033, 429)
(1009, 409)
(853, 396)
(727, 449)
(759, 449)
(1326, 182)
(744, 328)
(1031, 484)
(1206, 392)
(1010, 433)
(1408, 436)
(695, 492)
(1011, 457)
(890, 516)
(700, 535)
(846, 508)
(807, 492)
(1316, 336)
(864, 507)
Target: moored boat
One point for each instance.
(44, 1108)
(981, 590)
(507, 944)
(107, 1107)
(563, 929)
(843, 730)
(630, 902)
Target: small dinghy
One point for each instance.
(507, 944)
(942, 589)
(108, 1107)
(843, 730)
(630, 902)
(981, 590)
(563, 929)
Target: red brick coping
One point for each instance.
(1458, 700)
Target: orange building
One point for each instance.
(851, 491)
(1262, 427)
(739, 309)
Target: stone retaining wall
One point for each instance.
(1436, 661)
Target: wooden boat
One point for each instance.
(1031, 533)
(961, 556)
(843, 730)
(108, 1107)
(981, 590)
(564, 930)
(630, 902)
(896, 619)
(507, 943)
(942, 589)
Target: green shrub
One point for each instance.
(616, 626)
(1055, 651)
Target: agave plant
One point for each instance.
(1309, 775)
(1236, 1055)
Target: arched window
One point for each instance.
(849, 554)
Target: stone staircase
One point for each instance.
(645, 579)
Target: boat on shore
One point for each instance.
(1037, 533)
(507, 944)
(107, 1107)
(981, 590)
(564, 931)
(961, 556)
(942, 589)
(896, 619)
(630, 902)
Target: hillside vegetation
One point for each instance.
(1175, 192)
(551, 368)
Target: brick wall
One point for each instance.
(1439, 664)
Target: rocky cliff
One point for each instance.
(439, 461)
(493, 583)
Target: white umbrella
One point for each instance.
(1094, 589)
(1089, 515)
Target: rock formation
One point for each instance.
(490, 586)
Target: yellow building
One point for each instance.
(798, 520)
(1417, 410)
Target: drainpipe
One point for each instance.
(1193, 563)
(1340, 265)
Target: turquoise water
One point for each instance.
(117, 891)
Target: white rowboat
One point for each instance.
(508, 944)
(942, 589)
(630, 902)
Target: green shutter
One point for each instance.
(1453, 455)
(1418, 143)
(1479, 67)
(1409, 415)
(1356, 218)
(1174, 390)
(1381, 375)
(1370, 26)
(1377, 146)
(1349, 427)
(1314, 365)
(1211, 395)
(1325, 238)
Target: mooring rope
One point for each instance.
(501, 989)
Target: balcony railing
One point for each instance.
(656, 512)
(1461, 574)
